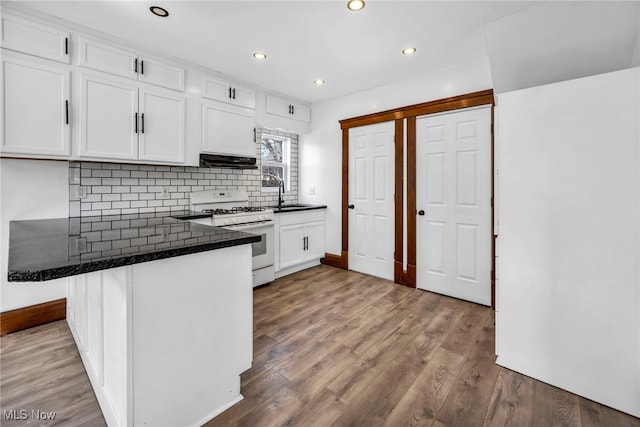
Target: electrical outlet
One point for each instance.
(81, 245)
(82, 192)
(312, 191)
(165, 193)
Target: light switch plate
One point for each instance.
(312, 191)
(82, 192)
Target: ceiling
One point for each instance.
(308, 40)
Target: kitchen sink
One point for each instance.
(291, 207)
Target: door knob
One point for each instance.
(351, 207)
(421, 212)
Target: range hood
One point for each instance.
(225, 161)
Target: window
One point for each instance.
(275, 162)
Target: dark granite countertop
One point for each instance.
(53, 248)
(295, 208)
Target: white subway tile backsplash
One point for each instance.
(98, 189)
(111, 197)
(114, 188)
(121, 174)
(100, 173)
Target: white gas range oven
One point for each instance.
(229, 209)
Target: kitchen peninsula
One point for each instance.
(163, 343)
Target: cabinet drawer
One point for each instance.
(35, 39)
(300, 217)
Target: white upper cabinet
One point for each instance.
(35, 39)
(129, 64)
(289, 109)
(161, 133)
(35, 108)
(228, 130)
(121, 121)
(227, 92)
(159, 73)
(109, 119)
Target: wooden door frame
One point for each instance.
(398, 115)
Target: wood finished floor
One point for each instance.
(332, 348)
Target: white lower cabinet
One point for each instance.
(164, 342)
(121, 121)
(227, 129)
(300, 240)
(35, 108)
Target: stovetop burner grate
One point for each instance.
(234, 210)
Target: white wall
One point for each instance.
(320, 151)
(568, 290)
(30, 189)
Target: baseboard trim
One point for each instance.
(409, 276)
(338, 261)
(34, 315)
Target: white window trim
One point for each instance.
(286, 160)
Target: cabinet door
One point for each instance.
(161, 136)
(34, 112)
(35, 39)
(108, 119)
(227, 130)
(315, 233)
(291, 245)
(153, 71)
(243, 97)
(301, 112)
(107, 59)
(223, 91)
(288, 109)
(277, 106)
(218, 90)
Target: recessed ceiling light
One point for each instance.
(355, 5)
(408, 50)
(319, 82)
(260, 55)
(159, 11)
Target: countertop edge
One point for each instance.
(299, 209)
(121, 261)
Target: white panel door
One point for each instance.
(161, 136)
(109, 119)
(371, 197)
(453, 199)
(35, 107)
